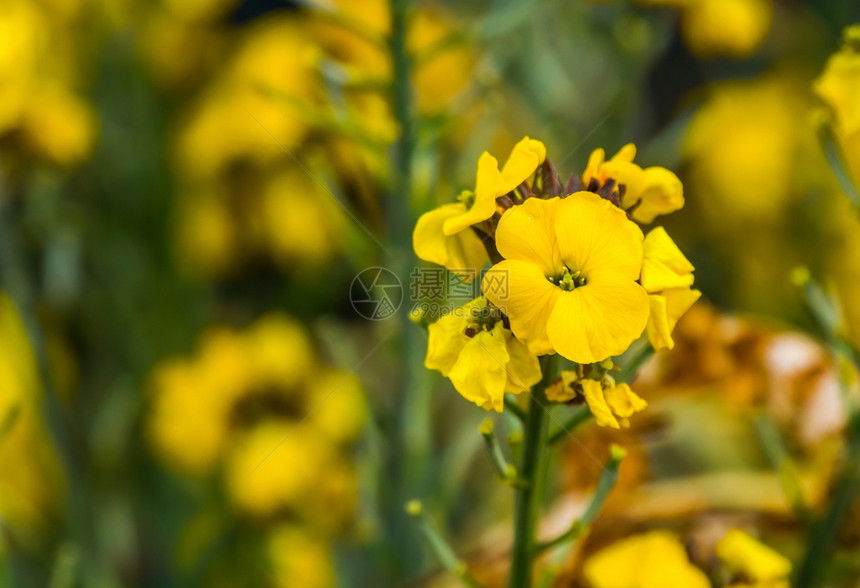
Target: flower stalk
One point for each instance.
(532, 471)
(505, 470)
(449, 560)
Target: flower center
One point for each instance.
(569, 280)
(481, 318)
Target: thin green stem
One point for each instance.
(820, 544)
(531, 467)
(506, 471)
(836, 159)
(449, 560)
(780, 459)
(579, 527)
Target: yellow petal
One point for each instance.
(659, 333)
(664, 266)
(490, 183)
(524, 294)
(596, 238)
(626, 153)
(627, 173)
(660, 192)
(592, 169)
(525, 158)
(488, 186)
(523, 368)
(623, 401)
(597, 321)
(666, 310)
(745, 555)
(562, 390)
(445, 340)
(527, 233)
(479, 374)
(839, 86)
(461, 251)
(653, 560)
(593, 392)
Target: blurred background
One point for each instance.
(189, 188)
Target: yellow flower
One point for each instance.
(743, 554)
(667, 276)
(611, 404)
(31, 487)
(731, 28)
(568, 281)
(652, 560)
(300, 558)
(839, 87)
(652, 191)
(480, 356)
(444, 236)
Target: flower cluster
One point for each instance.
(250, 413)
(572, 272)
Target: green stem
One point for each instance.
(449, 560)
(579, 527)
(531, 470)
(820, 544)
(512, 405)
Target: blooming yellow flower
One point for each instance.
(439, 234)
(482, 358)
(652, 560)
(649, 192)
(745, 555)
(569, 277)
(667, 276)
(300, 558)
(611, 404)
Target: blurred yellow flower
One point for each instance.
(299, 558)
(40, 109)
(647, 193)
(31, 487)
(839, 87)
(268, 79)
(201, 407)
(761, 566)
(438, 234)
(722, 28)
(482, 358)
(653, 560)
(667, 276)
(569, 276)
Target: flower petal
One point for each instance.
(593, 392)
(488, 185)
(596, 238)
(461, 251)
(523, 368)
(666, 309)
(664, 266)
(445, 340)
(479, 374)
(525, 158)
(527, 233)
(597, 321)
(523, 293)
(660, 192)
(623, 401)
(592, 169)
